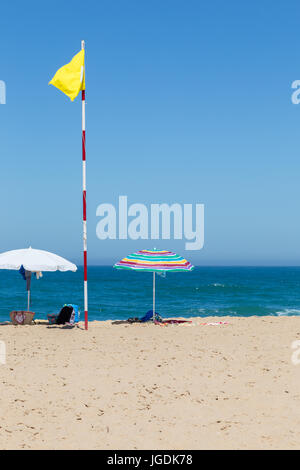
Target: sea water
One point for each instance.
(116, 294)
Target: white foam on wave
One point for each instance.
(215, 284)
(288, 311)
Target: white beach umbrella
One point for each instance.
(34, 261)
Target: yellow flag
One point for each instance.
(70, 78)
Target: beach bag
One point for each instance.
(52, 319)
(21, 317)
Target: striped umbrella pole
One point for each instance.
(84, 207)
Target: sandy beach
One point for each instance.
(229, 386)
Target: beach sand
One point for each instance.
(196, 386)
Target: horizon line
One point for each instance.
(214, 265)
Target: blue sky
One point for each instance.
(187, 102)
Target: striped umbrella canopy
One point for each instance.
(154, 261)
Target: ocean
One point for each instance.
(115, 294)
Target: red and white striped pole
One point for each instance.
(84, 207)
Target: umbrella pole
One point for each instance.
(28, 279)
(153, 296)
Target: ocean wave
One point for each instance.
(288, 312)
(218, 286)
(215, 284)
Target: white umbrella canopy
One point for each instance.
(34, 261)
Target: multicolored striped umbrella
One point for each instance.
(155, 261)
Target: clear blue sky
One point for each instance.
(187, 101)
